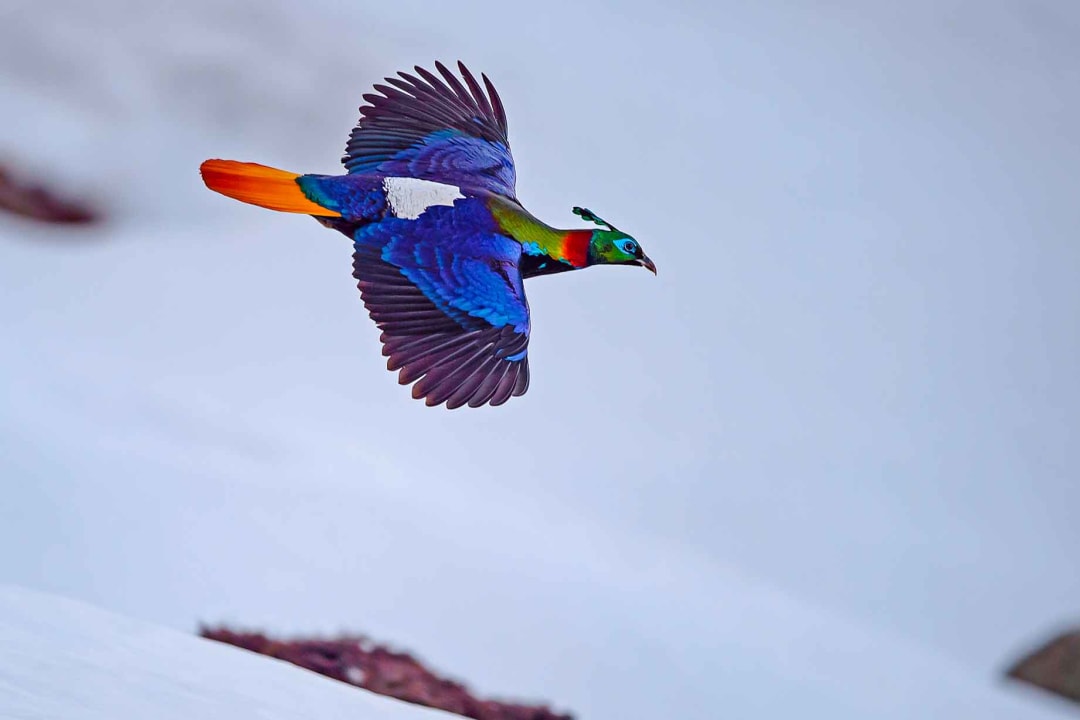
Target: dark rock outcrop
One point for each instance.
(1055, 666)
(37, 202)
(358, 661)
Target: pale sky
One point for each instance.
(851, 389)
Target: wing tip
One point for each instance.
(495, 387)
(426, 104)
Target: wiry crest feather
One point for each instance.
(586, 214)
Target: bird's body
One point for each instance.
(365, 199)
(442, 245)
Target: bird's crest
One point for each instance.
(587, 214)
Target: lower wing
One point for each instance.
(446, 292)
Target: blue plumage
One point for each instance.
(358, 198)
(455, 159)
(446, 291)
(436, 129)
(459, 260)
(444, 285)
(441, 244)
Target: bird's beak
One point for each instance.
(646, 263)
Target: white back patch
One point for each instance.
(410, 197)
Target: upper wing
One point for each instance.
(446, 292)
(434, 129)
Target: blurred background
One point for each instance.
(826, 462)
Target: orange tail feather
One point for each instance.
(260, 185)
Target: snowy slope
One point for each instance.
(63, 660)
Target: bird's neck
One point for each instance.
(572, 247)
(544, 249)
(571, 252)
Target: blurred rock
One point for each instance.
(358, 661)
(38, 202)
(1054, 667)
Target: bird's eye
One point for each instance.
(628, 246)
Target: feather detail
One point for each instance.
(445, 290)
(434, 127)
(260, 185)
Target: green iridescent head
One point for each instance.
(612, 246)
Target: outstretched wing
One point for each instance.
(446, 292)
(434, 129)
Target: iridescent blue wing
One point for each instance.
(434, 128)
(446, 292)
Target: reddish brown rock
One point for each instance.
(1054, 667)
(358, 661)
(37, 202)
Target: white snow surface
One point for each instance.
(824, 465)
(65, 660)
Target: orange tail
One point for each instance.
(260, 185)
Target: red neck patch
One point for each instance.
(575, 247)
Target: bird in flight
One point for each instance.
(441, 243)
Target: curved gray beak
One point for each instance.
(646, 263)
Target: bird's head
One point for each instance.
(611, 246)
